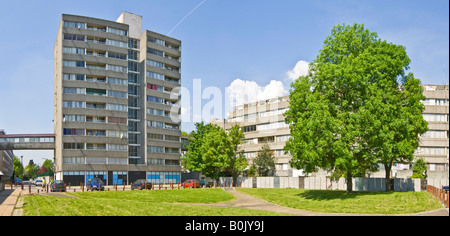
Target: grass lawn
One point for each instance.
(136, 203)
(330, 201)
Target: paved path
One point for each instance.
(8, 199)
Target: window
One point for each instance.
(96, 105)
(117, 134)
(155, 63)
(74, 25)
(116, 43)
(155, 87)
(133, 66)
(156, 161)
(117, 120)
(172, 138)
(74, 90)
(155, 40)
(73, 63)
(116, 107)
(155, 99)
(117, 31)
(116, 68)
(73, 145)
(155, 75)
(73, 104)
(132, 55)
(283, 138)
(155, 136)
(438, 102)
(117, 147)
(155, 52)
(117, 55)
(249, 128)
(81, 51)
(95, 146)
(155, 149)
(73, 160)
(73, 118)
(155, 124)
(96, 92)
(172, 150)
(77, 132)
(435, 134)
(156, 112)
(73, 77)
(118, 81)
(96, 119)
(96, 79)
(117, 94)
(436, 117)
(172, 163)
(74, 37)
(90, 132)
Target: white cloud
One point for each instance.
(244, 91)
(300, 69)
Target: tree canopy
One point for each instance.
(357, 107)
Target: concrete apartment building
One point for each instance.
(263, 122)
(434, 144)
(116, 113)
(6, 165)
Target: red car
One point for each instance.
(191, 183)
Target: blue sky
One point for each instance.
(222, 41)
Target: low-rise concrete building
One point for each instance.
(6, 165)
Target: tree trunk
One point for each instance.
(387, 180)
(349, 182)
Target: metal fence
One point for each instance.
(439, 193)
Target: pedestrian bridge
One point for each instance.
(27, 142)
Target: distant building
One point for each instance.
(6, 165)
(263, 122)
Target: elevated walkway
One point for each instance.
(27, 142)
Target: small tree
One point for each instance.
(265, 161)
(419, 169)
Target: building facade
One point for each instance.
(116, 106)
(263, 122)
(6, 165)
(434, 144)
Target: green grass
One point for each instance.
(136, 203)
(330, 201)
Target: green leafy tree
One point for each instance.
(30, 171)
(215, 152)
(356, 107)
(18, 168)
(193, 158)
(236, 162)
(419, 169)
(48, 164)
(265, 161)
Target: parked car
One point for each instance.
(140, 184)
(38, 182)
(191, 183)
(94, 183)
(204, 184)
(445, 188)
(17, 181)
(57, 186)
